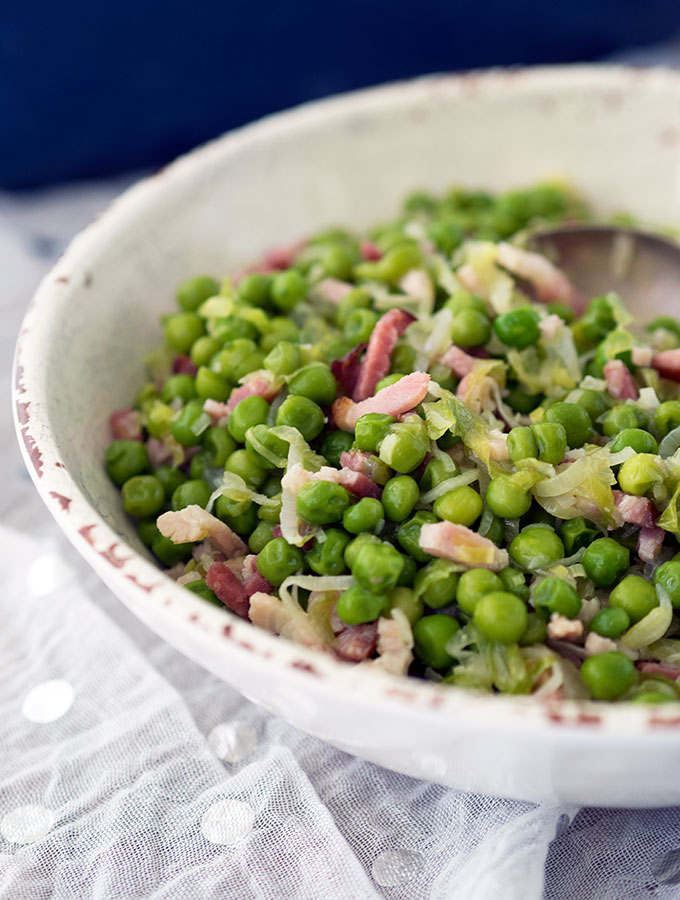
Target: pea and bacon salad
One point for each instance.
(422, 451)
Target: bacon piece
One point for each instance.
(460, 362)
(346, 369)
(392, 400)
(546, 279)
(183, 365)
(258, 386)
(288, 620)
(620, 382)
(667, 363)
(193, 523)
(159, 452)
(651, 667)
(256, 582)
(282, 257)
(357, 461)
(332, 289)
(462, 545)
(359, 484)
(217, 411)
(228, 588)
(550, 326)
(370, 251)
(635, 510)
(395, 643)
(560, 628)
(649, 543)
(126, 425)
(376, 362)
(357, 642)
(595, 643)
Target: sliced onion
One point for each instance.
(448, 485)
(654, 625)
(314, 583)
(670, 443)
(565, 483)
(617, 458)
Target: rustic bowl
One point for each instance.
(614, 132)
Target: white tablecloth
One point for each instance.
(126, 771)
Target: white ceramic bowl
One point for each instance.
(614, 132)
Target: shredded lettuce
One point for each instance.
(451, 414)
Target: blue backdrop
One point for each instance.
(91, 88)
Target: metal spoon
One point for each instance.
(643, 268)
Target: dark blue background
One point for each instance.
(90, 88)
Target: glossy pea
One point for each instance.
(377, 567)
(437, 470)
(577, 534)
(518, 328)
(284, 359)
(211, 385)
(278, 560)
(334, 444)
(180, 387)
(170, 479)
(501, 617)
(191, 423)
(303, 414)
(431, 634)
(267, 449)
(143, 495)
(551, 441)
(191, 492)
(595, 403)
(357, 605)
(124, 459)
(667, 417)
(201, 588)
(364, 516)
(230, 328)
(610, 622)
(536, 547)
(194, 291)
(667, 576)
(322, 502)
(404, 448)
(470, 328)
(505, 499)
(241, 463)
(514, 582)
(260, 536)
(288, 289)
(641, 441)
(623, 416)
(408, 534)
(399, 497)
(605, 561)
(237, 359)
(218, 445)
(316, 382)
(575, 421)
(475, 584)
(280, 329)
(522, 443)
(182, 329)
(553, 595)
(437, 583)
(169, 553)
(247, 412)
(461, 505)
(608, 675)
(635, 595)
(640, 473)
(327, 557)
(354, 546)
(370, 429)
(359, 324)
(255, 289)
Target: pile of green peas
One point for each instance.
(275, 324)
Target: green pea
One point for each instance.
(357, 298)
(124, 459)
(667, 417)
(244, 522)
(635, 595)
(238, 358)
(241, 463)
(146, 395)
(201, 588)
(431, 634)
(280, 329)
(255, 289)
(409, 572)
(653, 697)
(408, 534)
(605, 561)
(623, 416)
(337, 261)
(303, 414)
(288, 289)
(405, 447)
(396, 262)
(327, 557)
(359, 325)
(353, 548)
(556, 596)
(522, 444)
(143, 495)
(178, 386)
(505, 499)
(667, 576)
(159, 420)
(284, 359)
(357, 605)
(576, 534)
(182, 329)
(595, 403)
(641, 441)
(475, 584)
(575, 421)
(147, 531)
(565, 312)
(226, 509)
(501, 617)
(518, 328)
(470, 328)
(334, 444)
(204, 349)
(551, 440)
(322, 502)
(521, 401)
(608, 675)
(210, 385)
(193, 491)
(168, 553)
(370, 430)
(316, 382)
(535, 632)
(464, 300)
(248, 412)
(640, 473)
(194, 291)
(461, 505)
(405, 599)
(399, 497)
(190, 424)
(230, 328)
(366, 515)
(610, 622)
(447, 235)
(278, 560)
(377, 567)
(170, 479)
(218, 445)
(437, 470)
(388, 380)
(491, 527)
(260, 537)
(536, 547)
(437, 583)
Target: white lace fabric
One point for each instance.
(127, 771)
